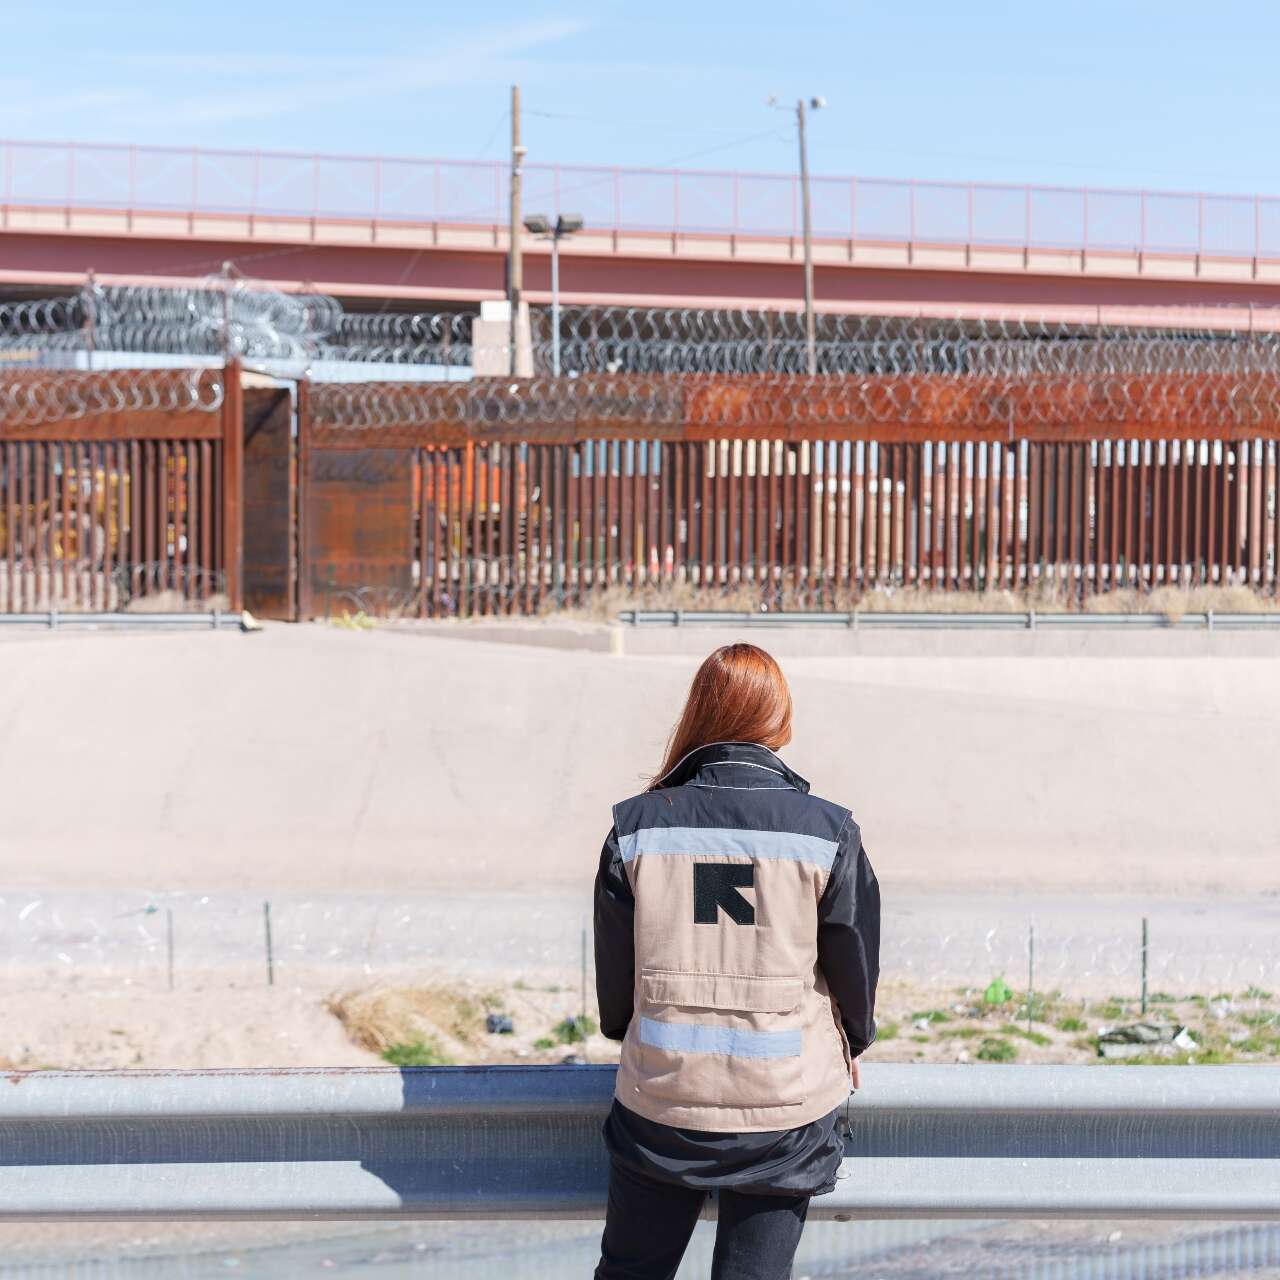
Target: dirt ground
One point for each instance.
(352, 1023)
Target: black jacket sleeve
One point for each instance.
(615, 909)
(849, 939)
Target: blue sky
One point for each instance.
(1175, 94)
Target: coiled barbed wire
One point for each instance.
(29, 397)
(764, 404)
(222, 316)
(1198, 369)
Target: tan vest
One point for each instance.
(733, 1028)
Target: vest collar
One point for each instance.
(757, 764)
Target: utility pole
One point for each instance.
(515, 269)
(810, 328)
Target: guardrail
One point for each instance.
(212, 182)
(1031, 620)
(524, 1142)
(55, 619)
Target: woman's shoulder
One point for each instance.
(632, 812)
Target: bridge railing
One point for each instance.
(521, 1142)
(267, 184)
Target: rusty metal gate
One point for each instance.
(120, 490)
(270, 504)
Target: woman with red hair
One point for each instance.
(737, 929)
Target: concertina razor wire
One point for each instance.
(1177, 369)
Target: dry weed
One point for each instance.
(175, 602)
(378, 1017)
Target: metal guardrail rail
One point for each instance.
(1030, 620)
(54, 620)
(524, 1142)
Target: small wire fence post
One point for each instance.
(168, 911)
(1144, 964)
(584, 972)
(1031, 971)
(266, 921)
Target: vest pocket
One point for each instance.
(732, 1041)
(732, 992)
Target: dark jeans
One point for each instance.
(649, 1224)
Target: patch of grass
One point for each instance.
(1112, 1010)
(1259, 1044)
(1089, 1043)
(919, 1039)
(1161, 997)
(1072, 1024)
(574, 1030)
(886, 1031)
(993, 1049)
(1036, 1037)
(544, 1043)
(931, 1015)
(1189, 1058)
(416, 1053)
(1038, 1007)
(1260, 1018)
(1255, 993)
(963, 1033)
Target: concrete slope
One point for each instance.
(315, 758)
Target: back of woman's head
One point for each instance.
(739, 694)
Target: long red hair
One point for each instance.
(739, 694)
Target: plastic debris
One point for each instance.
(998, 992)
(1141, 1039)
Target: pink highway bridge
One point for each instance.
(391, 227)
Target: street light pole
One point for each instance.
(565, 225)
(810, 326)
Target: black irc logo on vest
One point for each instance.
(715, 888)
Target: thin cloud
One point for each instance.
(304, 84)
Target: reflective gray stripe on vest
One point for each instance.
(697, 1037)
(786, 846)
